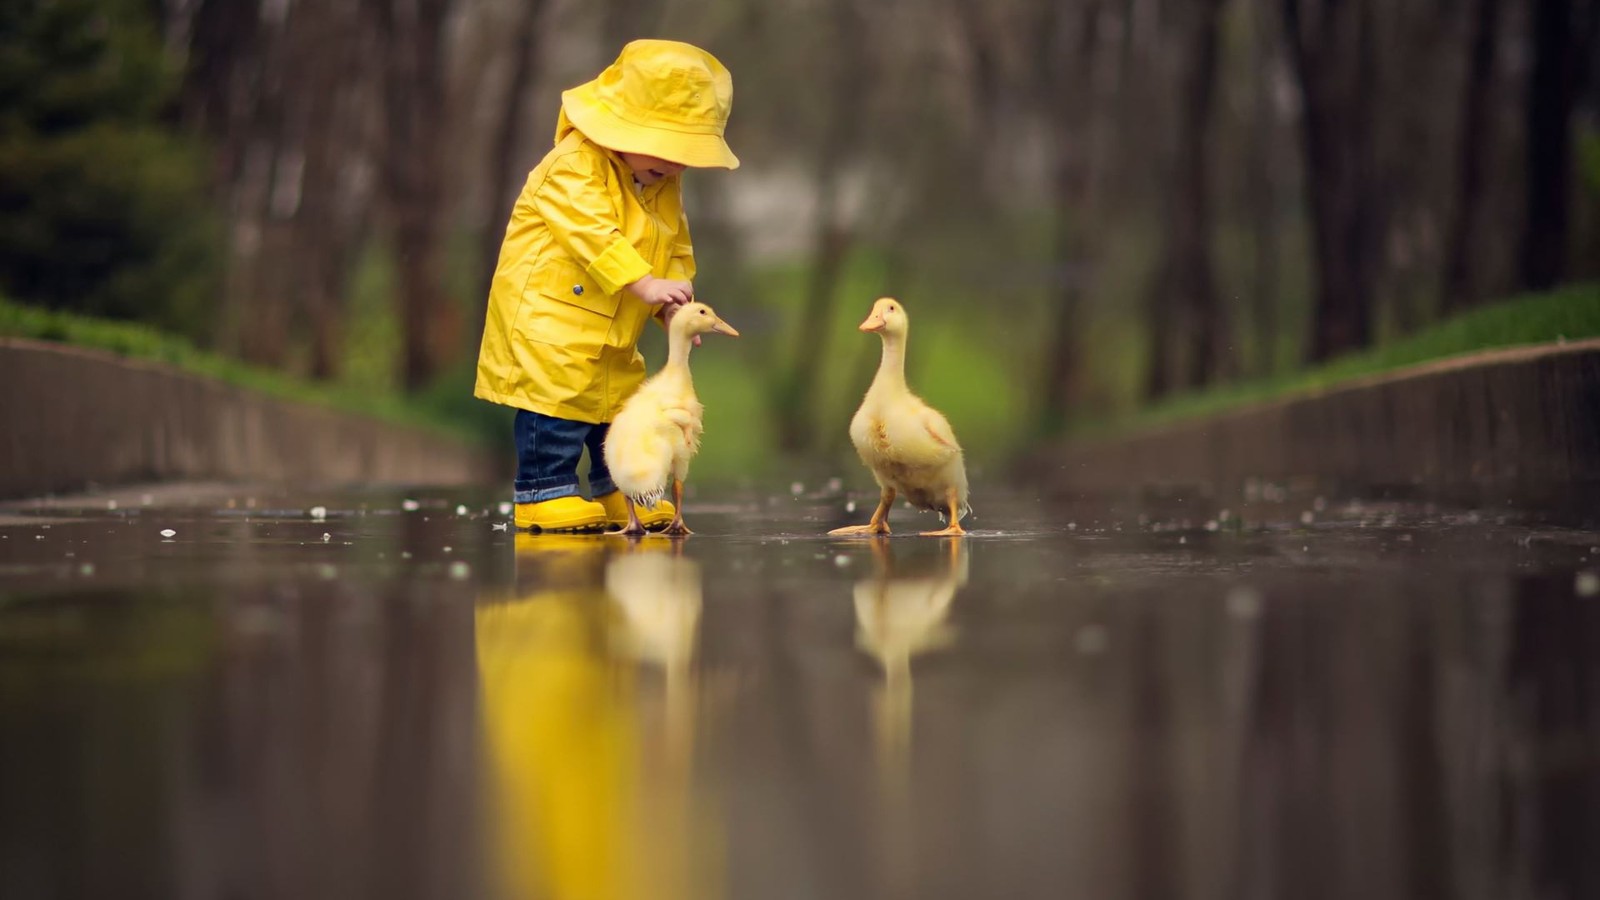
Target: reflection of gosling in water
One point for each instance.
(658, 593)
(659, 596)
(899, 616)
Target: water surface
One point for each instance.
(395, 696)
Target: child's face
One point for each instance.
(650, 169)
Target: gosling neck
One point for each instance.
(892, 367)
(679, 343)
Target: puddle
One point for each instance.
(1095, 699)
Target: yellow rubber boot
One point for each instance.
(562, 514)
(616, 507)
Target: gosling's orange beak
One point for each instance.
(722, 327)
(874, 322)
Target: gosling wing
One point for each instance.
(921, 437)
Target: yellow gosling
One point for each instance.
(906, 444)
(657, 431)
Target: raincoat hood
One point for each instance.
(665, 99)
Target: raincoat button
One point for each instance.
(577, 289)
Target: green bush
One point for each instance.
(105, 205)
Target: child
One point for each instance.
(597, 245)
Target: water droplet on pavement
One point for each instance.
(1587, 584)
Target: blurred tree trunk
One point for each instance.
(1188, 280)
(1262, 191)
(327, 106)
(1065, 43)
(412, 40)
(1460, 288)
(622, 21)
(982, 41)
(227, 94)
(1334, 50)
(1212, 359)
(1162, 310)
(991, 102)
(505, 174)
(1417, 44)
(1562, 43)
(847, 72)
(283, 93)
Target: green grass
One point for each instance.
(142, 342)
(1569, 313)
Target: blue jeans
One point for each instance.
(548, 450)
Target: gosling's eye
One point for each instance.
(702, 312)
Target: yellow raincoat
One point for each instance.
(561, 333)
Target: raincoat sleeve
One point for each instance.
(575, 203)
(681, 265)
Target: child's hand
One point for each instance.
(657, 291)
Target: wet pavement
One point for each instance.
(380, 694)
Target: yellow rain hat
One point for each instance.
(665, 99)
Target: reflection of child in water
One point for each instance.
(555, 721)
(582, 807)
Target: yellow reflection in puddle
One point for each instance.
(588, 686)
(900, 613)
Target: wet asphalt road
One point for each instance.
(400, 698)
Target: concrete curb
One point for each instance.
(1521, 423)
(75, 417)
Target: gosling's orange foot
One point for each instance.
(677, 529)
(634, 530)
(953, 505)
(862, 530)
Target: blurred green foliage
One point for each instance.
(962, 358)
(1589, 159)
(372, 329)
(105, 210)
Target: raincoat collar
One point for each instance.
(565, 128)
